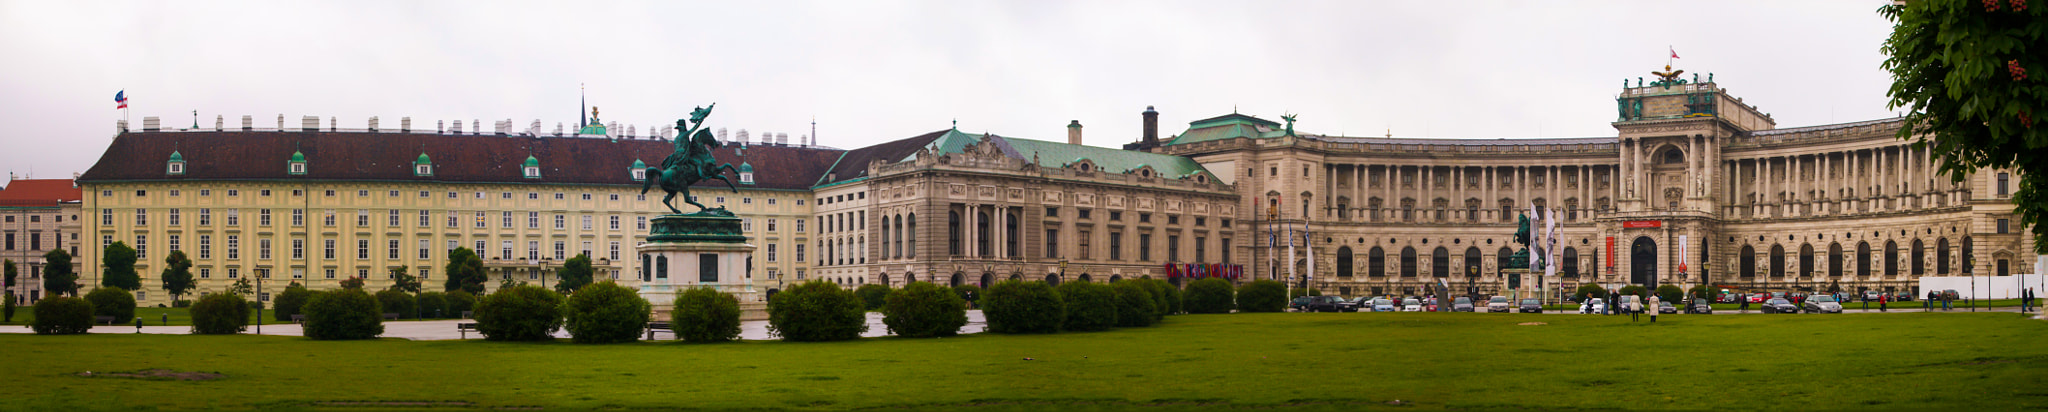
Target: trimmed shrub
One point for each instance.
(290, 301)
(62, 316)
(519, 313)
(872, 295)
(397, 301)
(1135, 306)
(1639, 291)
(1262, 296)
(1211, 295)
(433, 305)
(1090, 306)
(1711, 294)
(9, 307)
(1016, 306)
(220, 314)
(968, 293)
(817, 311)
(181, 303)
(923, 310)
(1670, 293)
(706, 315)
(112, 301)
(605, 312)
(459, 301)
(1588, 291)
(343, 314)
(1157, 288)
(1173, 298)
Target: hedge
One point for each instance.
(62, 316)
(397, 301)
(1173, 298)
(220, 314)
(1262, 296)
(343, 314)
(459, 301)
(1135, 306)
(605, 312)
(112, 301)
(705, 315)
(1211, 295)
(923, 310)
(433, 305)
(872, 296)
(1016, 306)
(817, 311)
(1670, 293)
(1090, 306)
(288, 303)
(1588, 291)
(519, 313)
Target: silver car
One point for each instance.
(1461, 304)
(1821, 304)
(1383, 305)
(1594, 306)
(1499, 304)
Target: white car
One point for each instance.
(1593, 306)
(1411, 305)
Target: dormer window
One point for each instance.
(747, 178)
(297, 166)
(532, 168)
(423, 167)
(176, 166)
(746, 173)
(639, 170)
(532, 172)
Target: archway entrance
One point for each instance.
(987, 279)
(1643, 262)
(958, 278)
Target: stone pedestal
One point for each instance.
(1528, 281)
(703, 249)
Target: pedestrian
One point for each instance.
(1745, 304)
(1880, 303)
(1928, 304)
(1948, 302)
(2027, 300)
(1656, 304)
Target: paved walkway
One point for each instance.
(445, 329)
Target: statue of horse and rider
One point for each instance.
(691, 163)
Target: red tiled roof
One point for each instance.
(456, 158)
(39, 192)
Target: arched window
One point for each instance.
(1748, 262)
(1919, 258)
(981, 234)
(1472, 256)
(1969, 259)
(1891, 258)
(1440, 263)
(1407, 262)
(1805, 260)
(1571, 262)
(910, 236)
(1010, 231)
(1500, 258)
(883, 279)
(1941, 256)
(1862, 259)
(1052, 279)
(953, 233)
(885, 237)
(1673, 156)
(1777, 261)
(1376, 262)
(1835, 259)
(1344, 262)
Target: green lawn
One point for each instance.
(150, 316)
(1288, 361)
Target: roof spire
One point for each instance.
(956, 123)
(582, 102)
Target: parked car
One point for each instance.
(1499, 304)
(1353, 305)
(1594, 305)
(1821, 304)
(1625, 304)
(1729, 298)
(1951, 295)
(1429, 304)
(1532, 306)
(1903, 297)
(1298, 303)
(1321, 304)
(1759, 297)
(1665, 307)
(1411, 305)
(1461, 304)
(1700, 306)
(1780, 305)
(1871, 295)
(1383, 305)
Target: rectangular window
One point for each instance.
(106, 217)
(173, 240)
(799, 252)
(206, 217)
(205, 247)
(615, 250)
(505, 220)
(298, 217)
(2002, 228)
(234, 217)
(329, 272)
(141, 217)
(505, 250)
(1225, 248)
(1172, 248)
(298, 248)
(390, 248)
(2003, 178)
(263, 249)
(480, 221)
(585, 250)
(141, 248)
(1116, 246)
(328, 219)
(363, 218)
(234, 273)
(771, 225)
(799, 225)
(1082, 213)
(205, 273)
(1052, 243)
(174, 217)
(1144, 247)
(234, 247)
(327, 249)
(427, 219)
(425, 250)
(532, 250)
(586, 222)
(1081, 245)
(640, 222)
(771, 252)
(391, 218)
(559, 248)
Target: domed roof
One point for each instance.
(637, 164)
(176, 157)
(423, 160)
(532, 162)
(746, 167)
(298, 156)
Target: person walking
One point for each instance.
(1880, 303)
(2027, 300)
(1928, 304)
(1656, 304)
(1745, 304)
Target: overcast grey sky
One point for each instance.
(873, 71)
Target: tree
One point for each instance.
(242, 287)
(1960, 69)
(352, 283)
(11, 273)
(58, 279)
(464, 272)
(575, 274)
(404, 282)
(177, 274)
(120, 262)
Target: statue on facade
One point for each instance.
(1290, 123)
(691, 163)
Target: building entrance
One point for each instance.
(1643, 262)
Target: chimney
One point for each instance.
(248, 123)
(1074, 132)
(1151, 126)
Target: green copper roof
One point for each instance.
(175, 157)
(746, 167)
(637, 164)
(532, 162)
(423, 160)
(298, 156)
(1229, 126)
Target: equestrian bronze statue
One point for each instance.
(691, 163)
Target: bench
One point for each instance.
(106, 320)
(465, 328)
(391, 316)
(299, 319)
(659, 327)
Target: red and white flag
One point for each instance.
(1674, 53)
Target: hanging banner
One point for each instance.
(1682, 254)
(1610, 253)
(1639, 224)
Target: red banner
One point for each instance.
(1610, 252)
(1638, 224)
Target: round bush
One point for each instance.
(1262, 296)
(113, 301)
(872, 295)
(1090, 306)
(1157, 289)
(1711, 294)
(290, 301)
(1588, 291)
(817, 311)
(62, 316)
(343, 314)
(923, 310)
(1671, 293)
(519, 313)
(705, 315)
(605, 312)
(458, 302)
(1638, 290)
(1210, 295)
(432, 305)
(220, 314)
(397, 301)
(1173, 298)
(1015, 306)
(1135, 306)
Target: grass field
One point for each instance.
(1288, 361)
(150, 316)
